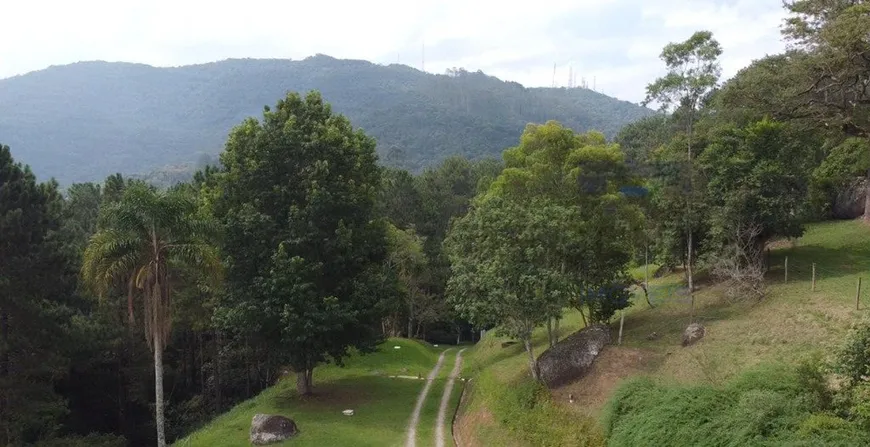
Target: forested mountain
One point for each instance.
(83, 121)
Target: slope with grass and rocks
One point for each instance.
(746, 341)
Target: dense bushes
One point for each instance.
(771, 405)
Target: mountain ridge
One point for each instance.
(83, 121)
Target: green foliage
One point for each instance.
(756, 176)
(145, 241)
(304, 254)
(766, 406)
(582, 176)
(839, 173)
(34, 285)
(833, 38)
(693, 70)
(853, 358)
(499, 263)
(639, 139)
(124, 117)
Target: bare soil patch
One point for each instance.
(614, 364)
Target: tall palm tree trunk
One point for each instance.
(158, 388)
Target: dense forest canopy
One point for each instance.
(84, 121)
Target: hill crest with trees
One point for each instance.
(84, 121)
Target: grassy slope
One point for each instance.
(789, 323)
(382, 405)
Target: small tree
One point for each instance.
(500, 273)
(693, 71)
(408, 261)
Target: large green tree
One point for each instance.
(32, 288)
(304, 252)
(833, 37)
(758, 177)
(145, 240)
(585, 175)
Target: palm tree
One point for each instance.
(144, 241)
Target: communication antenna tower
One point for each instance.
(554, 75)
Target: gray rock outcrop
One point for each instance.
(849, 203)
(572, 357)
(693, 333)
(269, 429)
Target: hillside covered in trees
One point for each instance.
(84, 121)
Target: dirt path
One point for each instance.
(445, 400)
(415, 416)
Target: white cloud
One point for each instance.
(616, 42)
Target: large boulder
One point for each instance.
(571, 358)
(693, 333)
(268, 429)
(849, 203)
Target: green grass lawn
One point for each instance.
(382, 405)
(790, 323)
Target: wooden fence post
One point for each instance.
(814, 277)
(646, 267)
(621, 321)
(786, 269)
(858, 295)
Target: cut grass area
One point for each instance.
(382, 405)
(789, 324)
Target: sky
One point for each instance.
(613, 44)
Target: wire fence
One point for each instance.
(840, 279)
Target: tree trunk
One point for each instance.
(689, 217)
(411, 321)
(5, 413)
(533, 362)
(158, 388)
(550, 331)
(218, 397)
(691, 284)
(556, 329)
(303, 382)
(867, 198)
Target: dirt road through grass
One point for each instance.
(445, 400)
(415, 416)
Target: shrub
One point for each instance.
(853, 359)
(771, 405)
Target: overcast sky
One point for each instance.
(613, 42)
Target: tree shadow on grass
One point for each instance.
(830, 262)
(347, 392)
